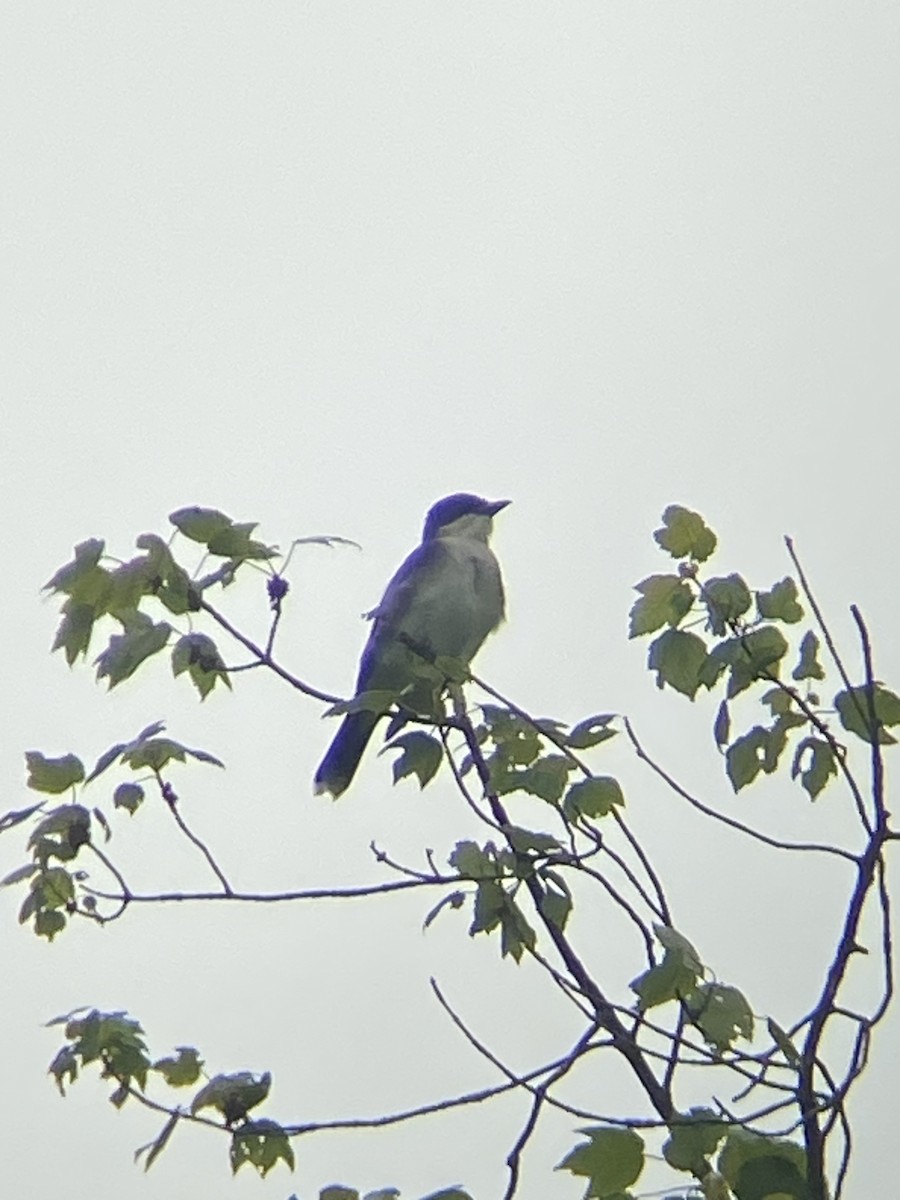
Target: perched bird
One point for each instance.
(442, 602)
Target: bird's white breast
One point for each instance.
(461, 602)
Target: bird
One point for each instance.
(442, 602)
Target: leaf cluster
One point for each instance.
(742, 644)
(56, 891)
(93, 587)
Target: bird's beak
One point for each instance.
(494, 507)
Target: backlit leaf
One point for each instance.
(611, 1159)
(859, 713)
(780, 604)
(664, 599)
(684, 534)
(53, 775)
(677, 657)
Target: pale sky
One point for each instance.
(318, 265)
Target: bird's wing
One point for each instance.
(412, 576)
(379, 663)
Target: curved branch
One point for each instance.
(264, 657)
(749, 831)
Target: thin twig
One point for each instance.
(817, 612)
(351, 893)
(126, 895)
(265, 659)
(513, 1159)
(560, 743)
(749, 831)
(603, 1010)
(168, 794)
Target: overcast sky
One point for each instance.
(318, 265)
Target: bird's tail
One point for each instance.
(338, 767)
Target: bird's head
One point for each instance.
(461, 515)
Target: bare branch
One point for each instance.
(776, 843)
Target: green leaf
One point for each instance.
(16, 816)
(495, 908)
(669, 980)
(338, 1192)
(780, 703)
(64, 1064)
(126, 651)
(684, 534)
(19, 875)
(516, 935)
(757, 657)
(68, 578)
(55, 886)
(721, 1013)
(780, 604)
(177, 592)
(855, 712)
(490, 902)
(591, 732)
(665, 599)
(815, 763)
(453, 900)
(48, 923)
(556, 899)
(611, 1159)
(809, 666)
(113, 1038)
(517, 741)
(421, 756)
(677, 657)
(183, 1070)
(693, 1138)
(719, 659)
(100, 817)
(53, 775)
(261, 1144)
(130, 582)
(783, 1042)
(61, 833)
(200, 524)
(197, 654)
(524, 840)
(594, 797)
(155, 753)
(722, 725)
(670, 939)
(129, 796)
(73, 635)
(470, 860)
(545, 778)
(674, 977)
(757, 1167)
(726, 599)
(233, 1095)
(109, 756)
(745, 757)
(236, 543)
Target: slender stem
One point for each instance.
(604, 1011)
(264, 658)
(776, 843)
(168, 794)
(353, 893)
(869, 871)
